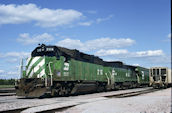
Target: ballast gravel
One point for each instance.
(14, 102)
(156, 102)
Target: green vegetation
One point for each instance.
(6, 86)
(7, 81)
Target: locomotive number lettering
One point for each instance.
(49, 49)
(66, 66)
(39, 50)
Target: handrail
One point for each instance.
(49, 65)
(21, 68)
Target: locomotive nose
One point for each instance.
(35, 67)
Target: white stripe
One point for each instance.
(28, 59)
(32, 62)
(31, 73)
(36, 68)
(41, 73)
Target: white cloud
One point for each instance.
(9, 74)
(143, 58)
(1, 71)
(71, 43)
(26, 39)
(98, 20)
(123, 53)
(135, 64)
(16, 14)
(165, 59)
(149, 53)
(108, 43)
(110, 52)
(15, 54)
(169, 35)
(12, 60)
(96, 44)
(85, 23)
(91, 11)
(12, 73)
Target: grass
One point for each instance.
(6, 86)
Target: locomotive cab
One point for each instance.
(39, 65)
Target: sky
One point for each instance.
(136, 32)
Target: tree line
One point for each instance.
(7, 81)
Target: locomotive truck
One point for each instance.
(57, 71)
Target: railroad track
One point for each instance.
(130, 94)
(14, 111)
(122, 95)
(67, 102)
(7, 91)
(7, 94)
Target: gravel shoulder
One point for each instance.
(156, 102)
(14, 102)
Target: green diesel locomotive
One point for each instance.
(57, 71)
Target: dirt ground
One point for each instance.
(156, 102)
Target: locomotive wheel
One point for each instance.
(60, 93)
(63, 91)
(54, 92)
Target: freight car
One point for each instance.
(58, 71)
(160, 77)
